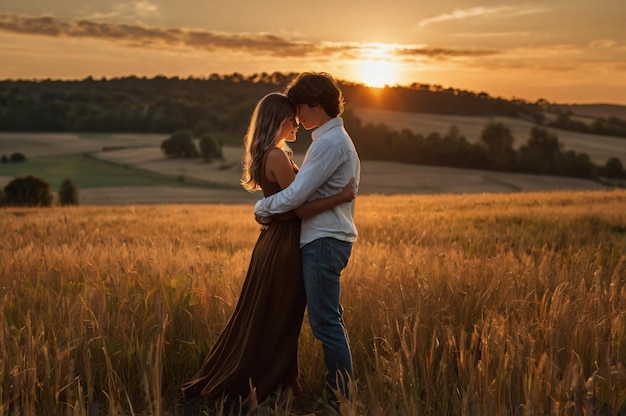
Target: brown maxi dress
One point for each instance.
(259, 346)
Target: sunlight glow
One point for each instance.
(377, 68)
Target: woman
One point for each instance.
(256, 354)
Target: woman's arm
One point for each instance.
(312, 208)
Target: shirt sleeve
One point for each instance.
(320, 164)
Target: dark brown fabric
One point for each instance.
(259, 345)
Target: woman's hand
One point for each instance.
(349, 192)
(262, 220)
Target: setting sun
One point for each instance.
(376, 68)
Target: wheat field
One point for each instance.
(485, 304)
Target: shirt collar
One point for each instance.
(324, 128)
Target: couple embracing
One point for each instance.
(304, 244)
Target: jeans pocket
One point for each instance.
(338, 255)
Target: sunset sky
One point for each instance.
(565, 51)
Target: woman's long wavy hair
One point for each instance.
(265, 124)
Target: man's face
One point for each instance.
(308, 116)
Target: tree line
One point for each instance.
(222, 104)
(216, 111)
(434, 99)
(133, 105)
(542, 153)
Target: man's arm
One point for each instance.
(319, 165)
(312, 208)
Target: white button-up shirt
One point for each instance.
(329, 164)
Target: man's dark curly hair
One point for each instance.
(317, 88)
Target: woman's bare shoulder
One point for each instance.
(276, 154)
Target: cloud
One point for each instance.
(501, 11)
(442, 53)
(128, 11)
(603, 44)
(151, 37)
(143, 8)
(259, 44)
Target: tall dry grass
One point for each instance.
(455, 305)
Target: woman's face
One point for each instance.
(288, 129)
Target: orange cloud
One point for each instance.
(252, 43)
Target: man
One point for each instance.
(326, 239)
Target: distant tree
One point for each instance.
(210, 148)
(544, 142)
(612, 126)
(28, 191)
(565, 122)
(499, 141)
(434, 152)
(4, 159)
(539, 153)
(180, 144)
(614, 168)
(454, 133)
(461, 153)
(17, 157)
(68, 193)
(577, 165)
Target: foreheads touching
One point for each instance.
(317, 89)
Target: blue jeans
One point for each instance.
(322, 263)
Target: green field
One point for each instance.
(84, 171)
